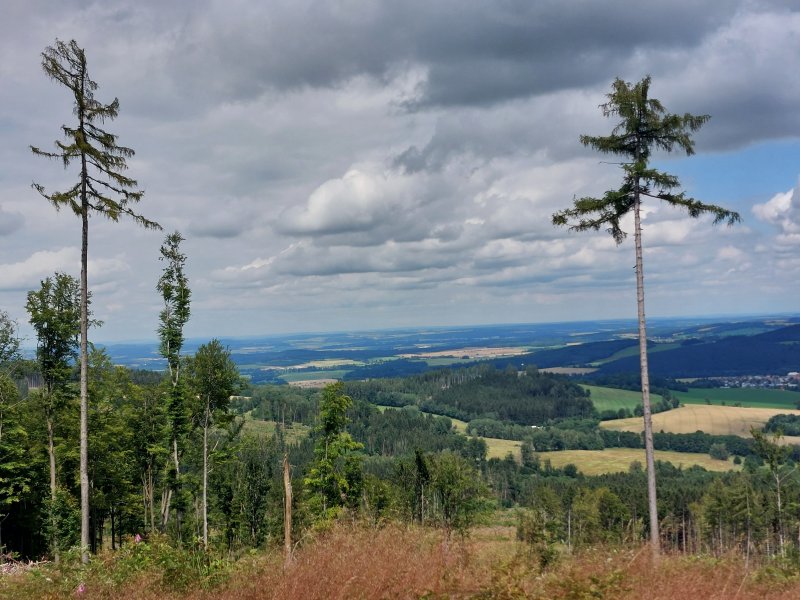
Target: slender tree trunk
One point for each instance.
(84, 385)
(287, 510)
(655, 545)
(53, 486)
(205, 480)
(84, 349)
(150, 497)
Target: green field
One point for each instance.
(746, 397)
(614, 460)
(605, 398)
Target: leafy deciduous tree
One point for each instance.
(214, 379)
(335, 476)
(174, 288)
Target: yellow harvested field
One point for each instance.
(469, 353)
(497, 448)
(716, 420)
(615, 460)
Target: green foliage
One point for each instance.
(213, 378)
(335, 478)
(644, 126)
(55, 314)
(538, 530)
(785, 424)
(15, 468)
(459, 495)
(9, 341)
(482, 392)
(719, 451)
(63, 524)
(173, 285)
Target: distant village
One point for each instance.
(790, 381)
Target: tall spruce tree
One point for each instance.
(173, 285)
(101, 187)
(644, 125)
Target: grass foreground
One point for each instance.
(407, 562)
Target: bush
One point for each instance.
(718, 451)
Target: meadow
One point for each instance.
(605, 398)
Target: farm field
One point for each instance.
(716, 420)
(749, 397)
(605, 398)
(497, 448)
(614, 460)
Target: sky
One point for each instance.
(349, 165)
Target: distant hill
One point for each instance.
(772, 353)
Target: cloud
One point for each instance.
(403, 158)
(782, 211)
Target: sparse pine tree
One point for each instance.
(101, 187)
(644, 126)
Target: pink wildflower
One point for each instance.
(81, 589)
(137, 538)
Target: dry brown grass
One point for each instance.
(409, 562)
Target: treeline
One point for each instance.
(585, 434)
(482, 392)
(784, 424)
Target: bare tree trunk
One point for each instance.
(150, 497)
(655, 544)
(166, 498)
(84, 385)
(52, 456)
(287, 509)
(205, 480)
